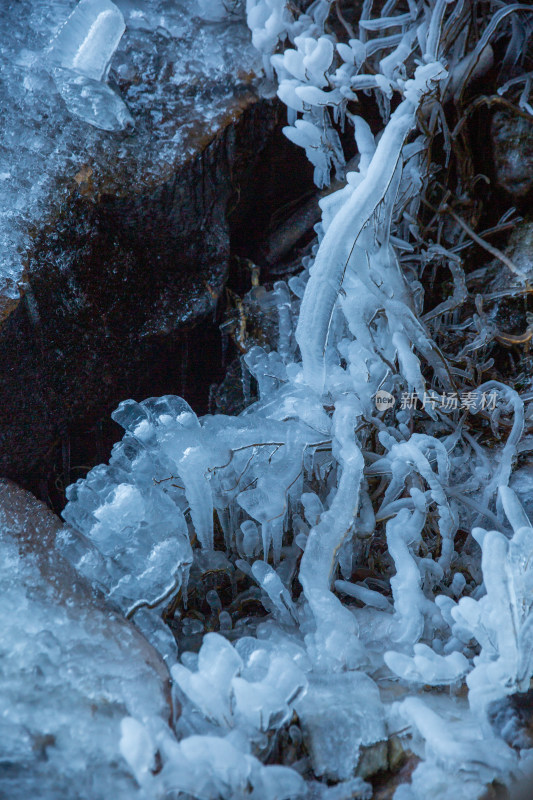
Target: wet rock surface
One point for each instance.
(112, 285)
(71, 666)
(124, 237)
(180, 79)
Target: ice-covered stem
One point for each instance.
(336, 627)
(272, 21)
(335, 524)
(343, 233)
(413, 455)
(502, 621)
(458, 761)
(261, 469)
(411, 606)
(512, 401)
(339, 242)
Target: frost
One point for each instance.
(218, 10)
(70, 670)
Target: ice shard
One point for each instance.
(79, 57)
(88, 39)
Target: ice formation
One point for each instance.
(80, 55)
(286, 497)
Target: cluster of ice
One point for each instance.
(283, 502)
(122, 91)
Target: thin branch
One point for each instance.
(344, 22)
(482, 243)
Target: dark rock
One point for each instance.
(125, 236)
(387, 783)
(228, 397)
(110, 284)
(182, 80)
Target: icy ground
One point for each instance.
(153, 81)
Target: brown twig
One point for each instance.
(482, 243)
